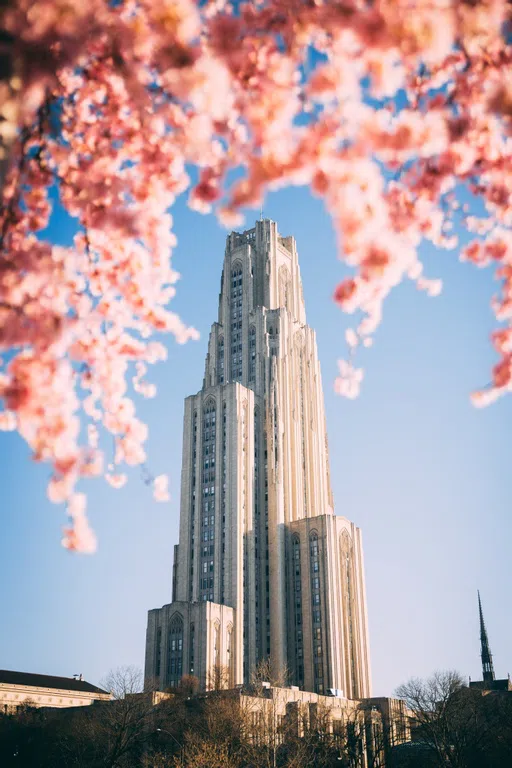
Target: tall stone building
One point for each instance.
(264, 568)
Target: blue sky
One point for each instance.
(423, 473)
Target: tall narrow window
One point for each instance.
(175, 651)
(258, 533)
(193, 505)
(223, 505)
(299, 647)
(236, 303)
(191, 650)
(158, 644)
(220, 361)
(216, 645)
(348, 600)
(316, 602)
(252, 354)
(229, 654)
(208, 499)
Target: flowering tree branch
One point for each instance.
(397, 113)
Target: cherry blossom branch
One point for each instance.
(385, 109)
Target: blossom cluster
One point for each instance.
(393, 111)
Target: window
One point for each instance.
(220, 361)
(236, 301)
(299, 648)
(208, 482)
(252, 355)
(175, 652)
(191, 649)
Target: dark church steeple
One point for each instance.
(485, 651)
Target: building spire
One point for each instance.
(485, 651)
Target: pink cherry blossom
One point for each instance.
(397, 114)
(116, 480)
(348, 383)
(8, 421)
(161, 488)
(79, 537)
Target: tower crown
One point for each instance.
(270, 267)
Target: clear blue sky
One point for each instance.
(424, 474)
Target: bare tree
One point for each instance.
(266, 671)
(187, 687)
(202, 753)
(112, 734)
(445, 716)
(218, 678)
(265, 716)
(309, 739)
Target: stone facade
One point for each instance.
(262, 559)
(18, 689)
(366, 730)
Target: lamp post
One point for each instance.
(181, 747)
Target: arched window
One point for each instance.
(175, 651)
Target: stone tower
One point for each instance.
(263, 568)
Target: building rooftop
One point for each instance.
(492, 685)
(9, 677)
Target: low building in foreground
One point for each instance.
(19, 689)
(366, 729)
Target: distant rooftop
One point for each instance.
(9, 677)
(492, 685)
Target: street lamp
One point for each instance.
(182, 749)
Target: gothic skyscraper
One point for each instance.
(263, 568)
